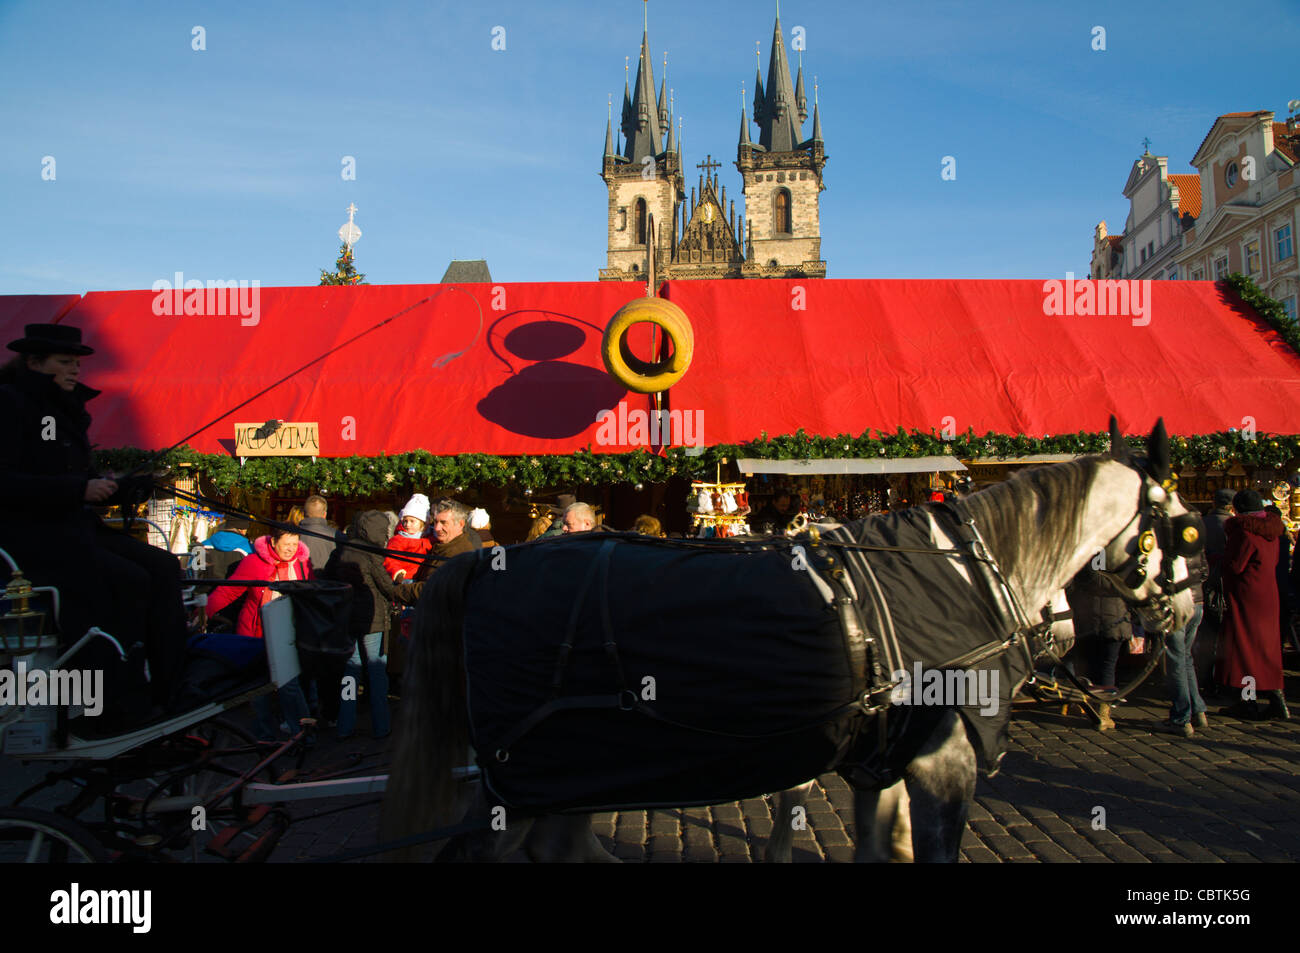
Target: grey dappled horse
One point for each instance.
(1041, 527)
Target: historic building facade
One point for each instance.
(1160, 207)
(1239, 212)
(1251, 205)
(778, 233)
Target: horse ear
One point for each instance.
(1158, 452)
(1119, 448)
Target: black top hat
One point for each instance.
(51, 339)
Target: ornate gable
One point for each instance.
(708, 237)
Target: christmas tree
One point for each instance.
(345, 273)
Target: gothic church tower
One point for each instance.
(782, 174)
(644, 178)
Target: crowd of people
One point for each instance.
(398, 552)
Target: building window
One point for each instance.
(1220, 267)
(783, 217)
(1173, 274)
(1252, 257)
(1230, 174)
(1282, 243)
(1151, 249)
(1198, 274)
(1288, 305)
(640, 221)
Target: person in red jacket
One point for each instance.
(280, 557)
(1252, 644)
(410, 538)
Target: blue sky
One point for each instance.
(225, 163)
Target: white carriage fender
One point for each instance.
(259, 792)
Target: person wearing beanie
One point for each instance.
(1252, 640)
(481, 523)
(410, 538)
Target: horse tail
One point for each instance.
(433, 733)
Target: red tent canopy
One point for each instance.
(828, 356)
(531, 381)
(19, 310)
(844, 356)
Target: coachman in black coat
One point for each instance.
(106, 578)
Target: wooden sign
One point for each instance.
(290, 440)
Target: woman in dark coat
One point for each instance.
(1252, 641)
(106, 578)
(373, 591)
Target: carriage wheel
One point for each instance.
(203, 760)
(42, 837)
(223, 753)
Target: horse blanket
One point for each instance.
(615, 671)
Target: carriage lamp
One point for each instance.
(21, 626)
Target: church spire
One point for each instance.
(758, 85)
(641, 122)
(780, 132)
(665, 120)
(609, 129)
(800, 98)
(817, 119)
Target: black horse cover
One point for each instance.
(697, 674)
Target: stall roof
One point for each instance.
(19, 310)
(831, 357)
(851, 465)
(839, 357)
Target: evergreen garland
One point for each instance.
(1270, 309)
(375, 476)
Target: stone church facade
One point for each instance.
(778, 233)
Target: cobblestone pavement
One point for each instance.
(1231, 793)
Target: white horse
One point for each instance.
(1037, 529)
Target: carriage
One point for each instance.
(178, 786)
(164, 783)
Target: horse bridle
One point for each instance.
(1176, 535)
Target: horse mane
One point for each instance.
(1032, 521)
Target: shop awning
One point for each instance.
(1034, 458)
(851, 465)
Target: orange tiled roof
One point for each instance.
(1189, 194)
(1289, 147)
(1115, 240)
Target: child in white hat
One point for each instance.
(410, 538)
